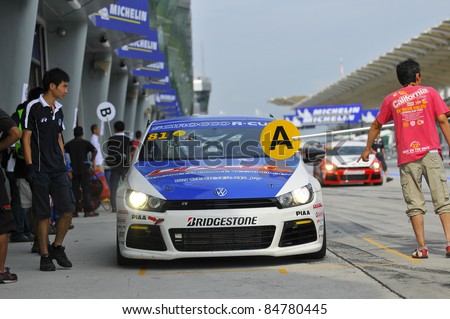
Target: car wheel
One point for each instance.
(122, 261)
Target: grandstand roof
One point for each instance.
(369, 84)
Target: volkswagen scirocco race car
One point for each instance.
(203, 187)
(341, 166)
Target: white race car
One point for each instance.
(203, 187)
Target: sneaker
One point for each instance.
(21, 238)
(423, 253)
(59, 255)
(447, 251)
(6, 277)
(389, 179)
(35, 247)
(47, 264)
(91, 214)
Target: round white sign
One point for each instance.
(106, 111)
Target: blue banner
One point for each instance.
(332, 114)
(124, 15)
(144, 49)
(157, 86)
(151, 73)
(368, 116)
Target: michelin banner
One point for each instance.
(332, 114)
(124, 15)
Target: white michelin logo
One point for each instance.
(43, 120)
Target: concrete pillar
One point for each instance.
(130, 108)
(117, 95)
(16, 50)
(67, 53)
(141, 116)
(94, 89)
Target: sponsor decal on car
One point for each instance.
(221, 221)
(318, 205)
(302, 212)
(122, 212)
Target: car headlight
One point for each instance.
(140, 201)
(297, 197)
(376, 165)
(329, 167)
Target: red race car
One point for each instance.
(341, 167)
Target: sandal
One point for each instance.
(421, 254)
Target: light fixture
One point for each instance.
(61, 32)
(74, 4)
(104, 41)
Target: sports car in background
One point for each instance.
(341, 166)
(203, 187)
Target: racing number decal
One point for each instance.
(157, 136)
(276, 139)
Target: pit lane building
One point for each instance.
(135, 54)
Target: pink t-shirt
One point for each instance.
(414, 110)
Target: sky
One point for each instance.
(255, 50)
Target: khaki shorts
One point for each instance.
(25, 193)
(432, 168)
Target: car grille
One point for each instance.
(361, 177)
(298, 232)
(220, 204)
(222, 239)
(146, 237)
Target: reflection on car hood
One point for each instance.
(226, 179)
(350, 161)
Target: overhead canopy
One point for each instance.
(371, 83)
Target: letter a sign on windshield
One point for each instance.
(276, 139)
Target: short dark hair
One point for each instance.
(138, 134)
(55, 76)
(34, 93)
(93, 127)
(119, 126)
(78, 131)
(407, 70)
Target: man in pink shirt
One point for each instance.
(415, 110)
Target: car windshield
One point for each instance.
(202, 143)
(345, 150)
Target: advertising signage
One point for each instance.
(331, 114)
(144, 49)
(124, 15)
(368, 116)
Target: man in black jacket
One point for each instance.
(118, 159)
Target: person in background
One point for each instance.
(79, 150)
(95, 133)
(419, 150)
(19, 167)
(9, 135)
(378, 150)
(46, 169)
(118, 158)
(137, 137)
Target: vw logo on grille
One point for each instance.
(220, 191)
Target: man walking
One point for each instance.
(118, 158)
(414, 110)
(79, 150)
(45, 166)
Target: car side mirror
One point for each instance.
(313, 154)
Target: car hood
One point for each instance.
(350, 161)
(226, 179)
